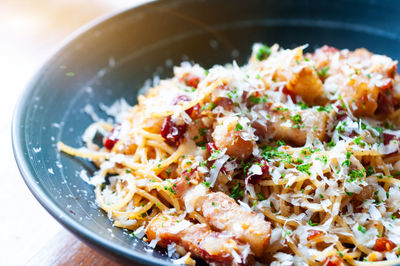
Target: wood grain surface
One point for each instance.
(65, 249)
(30, 30)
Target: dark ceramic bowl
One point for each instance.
(113, 58)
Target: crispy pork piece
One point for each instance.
(213, 247)
(291, 126)
(225, 215)
(307, 84)
(229, 134)
(364, 80)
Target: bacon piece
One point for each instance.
(227, 136)
(383, 244)
(291, 126)
(386, 100)
(308, 85)
(224, 214)
(225, 102)
(213, 247)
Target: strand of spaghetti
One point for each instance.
(131, 191)
(149, 135)
(392, 158)
(171, 159)
(135, 214)
(390, 180)
(161, 145)
(298, 253)
(195, 215)
(366, 153)
(282, 182)
(277, 219)
(150, 197)
(352, 238)
(82, 152)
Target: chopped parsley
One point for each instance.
(263, 52)
(356, 174)
(207, 184)
(323, 159)
(362, 229)
(323, 72)
(237, 192)
(280, 142)
(324, 108)
(304, 168)
(260, 196)
(349, 193)
(303, 105)
(311, 223)
(214, 155)
(238, 127)
(331, 144)
(257, 100)
(370, 170)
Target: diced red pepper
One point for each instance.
(383, 244)
(333, 260)
(112, 137)
(172, 132)
(313, 234)
(387, 138)
(255, 178)
(191, 80)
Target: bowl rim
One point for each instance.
(23, 163)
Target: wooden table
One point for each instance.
(29, 32)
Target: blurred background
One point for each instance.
(30, 30)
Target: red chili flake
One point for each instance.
(290, 93)
(333, 260)
(172, 132)
(313, 234)
(191, 80)
(112, 137)
(194, 112)
(255, 178)
(383, 244)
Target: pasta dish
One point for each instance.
(291, 159)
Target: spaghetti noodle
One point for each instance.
(290, 159)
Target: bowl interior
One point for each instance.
(114, 58)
